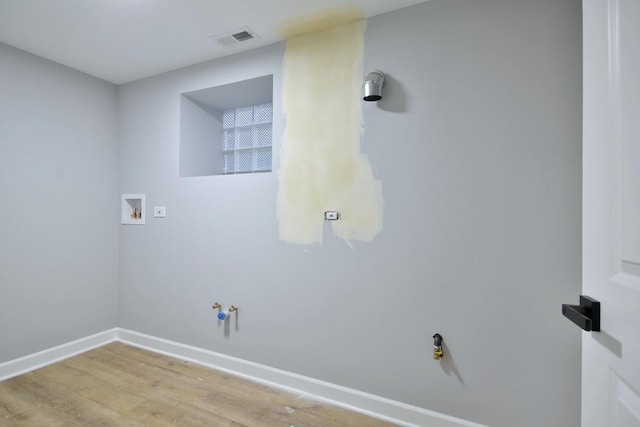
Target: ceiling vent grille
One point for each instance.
(234, 37)
(242, 36)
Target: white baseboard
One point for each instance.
(28, 363)
(354, 400)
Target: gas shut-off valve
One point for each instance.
(437, 347)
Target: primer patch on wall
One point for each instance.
(322, 167)
(320, 21)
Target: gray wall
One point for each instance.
(58, 198)
(477, 144)
(200, 139)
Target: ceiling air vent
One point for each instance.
(242, 36)
(234, 37)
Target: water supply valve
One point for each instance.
(223, 314)
(437, 347)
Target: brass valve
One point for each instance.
(216, 305)
(437, 353)
(437, 347)
(233, 308)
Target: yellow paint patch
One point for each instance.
(321, 165)
(319, 21)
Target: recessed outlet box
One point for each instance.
(132, 209)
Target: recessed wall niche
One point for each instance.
(132, 209)
(227, 130)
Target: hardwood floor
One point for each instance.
(120, 385)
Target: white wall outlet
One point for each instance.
(160, 212)
(331, 215)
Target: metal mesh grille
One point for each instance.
(242, 36)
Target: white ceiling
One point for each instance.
(125, 40)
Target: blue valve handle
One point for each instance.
(223, 315)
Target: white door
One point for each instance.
(611, 211)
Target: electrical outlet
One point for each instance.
(331, 215)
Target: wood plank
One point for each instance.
(118, 385)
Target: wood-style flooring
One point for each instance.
(120, 385)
